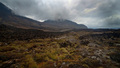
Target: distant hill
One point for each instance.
(62, 25)
(8, 17)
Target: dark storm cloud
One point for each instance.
(103, 8)
(106, 13)
(21, 6)
(110, 12)
(112, 22)
(89, 12)
(38, 9)
(108, 8)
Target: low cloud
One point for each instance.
(111, 22)
(93, 13)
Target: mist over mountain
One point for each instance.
(43, 34)
(4, 11)
(63, 24)
(92, 13)
(7, 17)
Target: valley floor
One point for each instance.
(75, 49)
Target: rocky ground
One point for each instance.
(76, 49)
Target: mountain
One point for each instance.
(4, 11)
(8, 17)
(62, 25)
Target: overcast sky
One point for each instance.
(93, 13)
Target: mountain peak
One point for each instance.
(9, 18)
(63, 24)
(60, 21)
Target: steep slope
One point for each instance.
(7, 17)
(4, 11)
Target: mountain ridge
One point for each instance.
(62, 24)
(8, 17)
